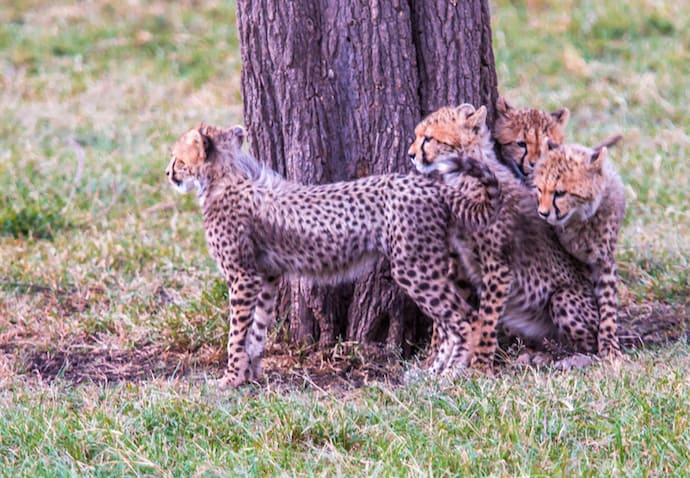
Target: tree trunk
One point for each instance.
(332, 91)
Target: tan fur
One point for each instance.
(521, 133)
(524, 277)
(582, 196)
(260, 227)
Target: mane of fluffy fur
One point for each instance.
(224, 141)
(228, 164)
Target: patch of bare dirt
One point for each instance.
(343, 367)
(102, 365)
(653, 324)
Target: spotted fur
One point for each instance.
(540, 291)
(521, 133)
(582, 196)
(260, 227)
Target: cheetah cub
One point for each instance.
(260, 227)
(523, 276)
(521, 133)
(582, 196)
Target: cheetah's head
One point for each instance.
(569, 180)
(523, 132)
(195, 149)
(445, 132)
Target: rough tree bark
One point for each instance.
(332, 91)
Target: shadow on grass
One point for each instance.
(101, 365)
(84, 358)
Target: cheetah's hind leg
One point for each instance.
(264, 315)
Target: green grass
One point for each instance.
(99, 257)
(630, 422)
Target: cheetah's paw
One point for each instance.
(576, 361)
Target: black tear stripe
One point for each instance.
(510, 164)
(522, 160)
(555, 208)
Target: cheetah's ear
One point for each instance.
(561, 116)
(503, 108)
(478, 118)
(206, 131)
(196, 144)
(598, 157)
(238, 134)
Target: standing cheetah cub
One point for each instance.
(582, 196)
(260, 227)
(524, 277)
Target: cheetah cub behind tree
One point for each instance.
(524, 277)
(260, 227)
(521, 133)
(582, 196)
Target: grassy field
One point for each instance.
(112, 313)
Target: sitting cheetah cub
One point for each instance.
(582, 196)
(524, 277)
(260, 227)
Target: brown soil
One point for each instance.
(341, 367)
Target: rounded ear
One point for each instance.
(197, 143)
(502, 106)
(561, 116)
(238, 134)
(598, 157)
(478, 118)
(191, 148)
(205, 130)
(465, 110)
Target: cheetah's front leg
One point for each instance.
(574, 312)
(496, 283)
(607, 301)
(244, 290)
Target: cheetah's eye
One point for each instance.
(559, 194)
(522, 144)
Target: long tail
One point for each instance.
(608, 142)
(472, 191)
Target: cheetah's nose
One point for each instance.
(167, 173)
(411, 156)
(544, 214)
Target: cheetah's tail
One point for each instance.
(473, 203)
(608, 142)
